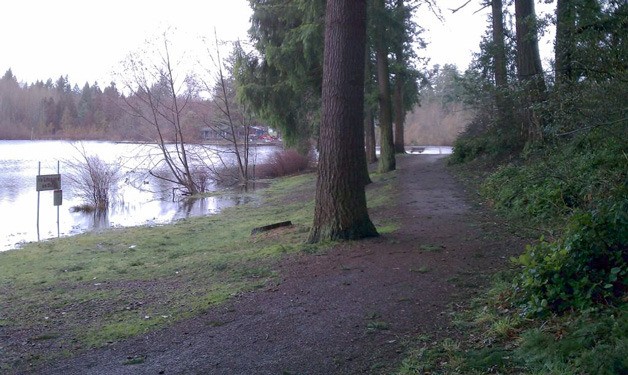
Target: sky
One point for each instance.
(87, 40)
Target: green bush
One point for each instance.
(578, 189)
(586, 267)
(467, 149)
(555, 181)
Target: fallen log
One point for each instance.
(266, 228)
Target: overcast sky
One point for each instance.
(86, 40)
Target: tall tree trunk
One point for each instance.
(387, 160)
(528, 57)
(564, 45)
(369, 131)
(340, 211)
(503, 115)
(369, 110)
(499, 49)
(529, 68)
(398, 99)
(400, 114)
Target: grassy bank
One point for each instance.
(89, 290)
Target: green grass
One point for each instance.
(101, 287)
(497, 339)
(431, 248)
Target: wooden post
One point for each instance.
(38, 193)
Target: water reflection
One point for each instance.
(99, 219)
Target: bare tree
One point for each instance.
(159, 97)
(230, 122)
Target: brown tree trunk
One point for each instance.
(565, 45)
(528, 57)
(369, 110)
(398, 99)
(340, 211)
(503, 115)
(369, 131)
(499, 49)
(387, 160)
(529, 68)
(400, 115)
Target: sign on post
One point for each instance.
(58, 197)
(48, 182)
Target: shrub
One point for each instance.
(588, 266)
(578, 190)
(553, 182)
(93, 179)
(283, 163)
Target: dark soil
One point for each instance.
(351, 310)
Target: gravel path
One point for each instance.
(351, 310)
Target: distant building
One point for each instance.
(223, 132)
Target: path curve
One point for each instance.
(351, 310)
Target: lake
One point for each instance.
(140, 199)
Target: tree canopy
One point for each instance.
(282, 78)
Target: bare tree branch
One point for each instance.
(460, 7)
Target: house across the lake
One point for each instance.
(223, 133)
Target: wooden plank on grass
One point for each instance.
(266, 228)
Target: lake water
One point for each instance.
(140, 199)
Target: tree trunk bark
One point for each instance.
(398, 99)
(400, 114)
(369, 109)
(387, 160)
(369, 127)
(499, 51)
(502, 103)
(528, 57)
(340, 211)
(529, 68)
(564, 45)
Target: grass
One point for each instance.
(96, 288)
(374, 323)
(494, 338)
(376, 326)
(431, 248)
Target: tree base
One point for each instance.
(359, 231)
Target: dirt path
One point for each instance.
(348, 311)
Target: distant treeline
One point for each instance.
(60, 110)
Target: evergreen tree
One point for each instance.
(283, 84)
(85, 107)
(9, 88)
